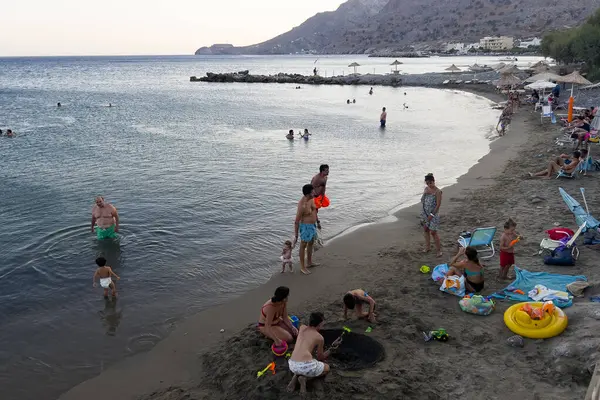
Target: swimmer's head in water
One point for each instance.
(384, 109)
(349, 301)
(307, 190)
(281, 294)
(100, 201)
(305, 130)
(324, 169)
(316, 319)
(291, 132)
(101, 261)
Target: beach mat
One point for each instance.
(526, 281)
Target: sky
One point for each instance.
(129, 27)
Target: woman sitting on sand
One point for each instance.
(470, 267)
(561, 163)
(273, 321)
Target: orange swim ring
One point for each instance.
(322, 201)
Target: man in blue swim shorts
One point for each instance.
(306, 225)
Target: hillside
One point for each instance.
(363, 26)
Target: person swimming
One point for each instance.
(290, 135)
(58, 104)
(348, 101)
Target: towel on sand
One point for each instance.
(526, 281)
(542, 293)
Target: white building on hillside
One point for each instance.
(497, 43)
(530, 42)
(459, 47)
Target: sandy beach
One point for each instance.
(197, 361)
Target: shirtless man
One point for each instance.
(302, 364)
(319, 183)
(306, 218)
(106, 217)
(383, 117)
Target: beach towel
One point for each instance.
(439, 273)
(542, 293)
(526, 281)
(454, 285)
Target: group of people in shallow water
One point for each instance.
(9, 133)
(301, 135)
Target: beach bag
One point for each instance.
(560, 256)
(477, 305)
(560, 233)
(454, 285)
(439, 272)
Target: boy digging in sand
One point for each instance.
(302, 364)
(507, 248)
(104, 273)
(355, 299)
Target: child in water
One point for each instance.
(286, 256)
(507, 248)
(104, 273)
(355, 299)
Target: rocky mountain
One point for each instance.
(364, 26)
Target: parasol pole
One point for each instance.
(584, 202)
(571, 101)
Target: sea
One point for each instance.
(206, 186)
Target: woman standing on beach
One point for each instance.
(430, 218)
(273, 321)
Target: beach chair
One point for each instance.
(447, 81)
(546, 113)
(548, 245)
(482, 239)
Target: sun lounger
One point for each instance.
(548, 245)
(482, 239)
(446, 82)
(458, 81)
(546, 113)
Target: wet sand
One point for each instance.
(198, 362)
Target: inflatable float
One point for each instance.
(536, 320)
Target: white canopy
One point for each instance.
(539, 85)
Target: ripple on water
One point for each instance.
(142, 342)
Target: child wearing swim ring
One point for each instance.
(286, 256)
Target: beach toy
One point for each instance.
(424, 269)
(279, 350)
(369, 330)
(439, 272)
(438, 334)
(517, 240)
(535, 320)
(294, 320)
(519, 291)
(270, 367)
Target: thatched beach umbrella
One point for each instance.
(574, 78)
(453, 68)
(544, 76)
(510, 69)
(508, 80)
(354, 65)
(396, 63)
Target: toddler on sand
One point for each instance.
(507, 251)
(104, 273)
(286, 256)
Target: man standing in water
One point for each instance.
(305, 224)
(319, 183)
(383, 118)
(106, 217)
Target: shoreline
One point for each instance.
(146, 373)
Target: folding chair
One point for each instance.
(482, 239)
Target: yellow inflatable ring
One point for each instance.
(549, 326)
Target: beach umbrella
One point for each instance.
(354, 65)
(544, 76)
(581, 214)
(574, 78)
(453, 68)
(508, 80)
(396, 63)
(510, 69)
(540, 85)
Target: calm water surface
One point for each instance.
(206, 186)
